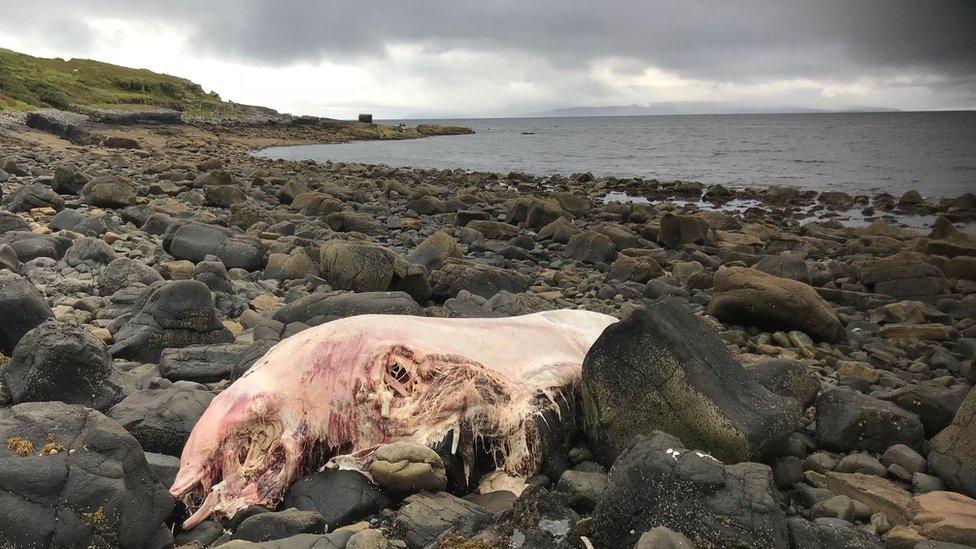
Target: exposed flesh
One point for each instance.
(342, 388)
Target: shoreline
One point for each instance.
(178, 258)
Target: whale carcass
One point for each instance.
(344, 387)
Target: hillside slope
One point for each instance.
(28, 83)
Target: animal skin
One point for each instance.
(341, 389)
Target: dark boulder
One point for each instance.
(934, 404)
(9, 259)
(321, 307)
(455, 275)
(28, 197)
(195, 241)
(425, 516)
(656, 481)
(161, 419)
(223, 196)
(124, 272)
(11, 222)
(89, 250)
(591, 247)
(69, 179)
(677, 230)
(830, 533)
(22, 309)
(279, 525)
(89, 225)
(848, 420)
(210, 363)
(646, 373)
(29, 245)
(340, 497)
(177, 313)
(750, 297)
(74, 478)
(785, 377)
(61, 361)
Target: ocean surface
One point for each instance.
(860, 153)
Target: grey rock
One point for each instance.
(830, 533)
(109, 191)
(425, 516)
(90, 251)
(93, 488)
(591, 247)
(321, 307)
(22, 308)
(30, 245)
(279, 525)
(663, 538)
(210, 363)
(195, 241)
(340, 497)
(953, 454)
(455, 275)
(161, 419)
(61, 361)
(583, 489)
(28, 197)
(405, 468)
(124, 272)
(658, 482)
(848, 420)
(785, 377)
(177, 313)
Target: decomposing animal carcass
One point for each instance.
(342, 388)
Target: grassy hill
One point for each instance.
(28, 83)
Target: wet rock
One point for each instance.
(22, 308)
(479, 279)
(279, 525)
(60, 361)
(124, 272)
(176, 313)
(321, 307)
(751, 297)
(644, 373)
(195, 241)
(161, 419)
(424, 517)
(75, 479)
(953, 455)
(340, 497)
(405, 468)
(848, 420)
(210, 363)
(109, 191)
(658, 482)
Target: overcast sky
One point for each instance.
(500, 57)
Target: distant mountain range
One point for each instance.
(690, 107)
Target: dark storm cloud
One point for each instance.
(730, 41)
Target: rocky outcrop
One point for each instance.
(645, 374)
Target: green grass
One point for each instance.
(28, 83)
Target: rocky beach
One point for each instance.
(779, 376)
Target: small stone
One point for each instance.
(836, 507)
